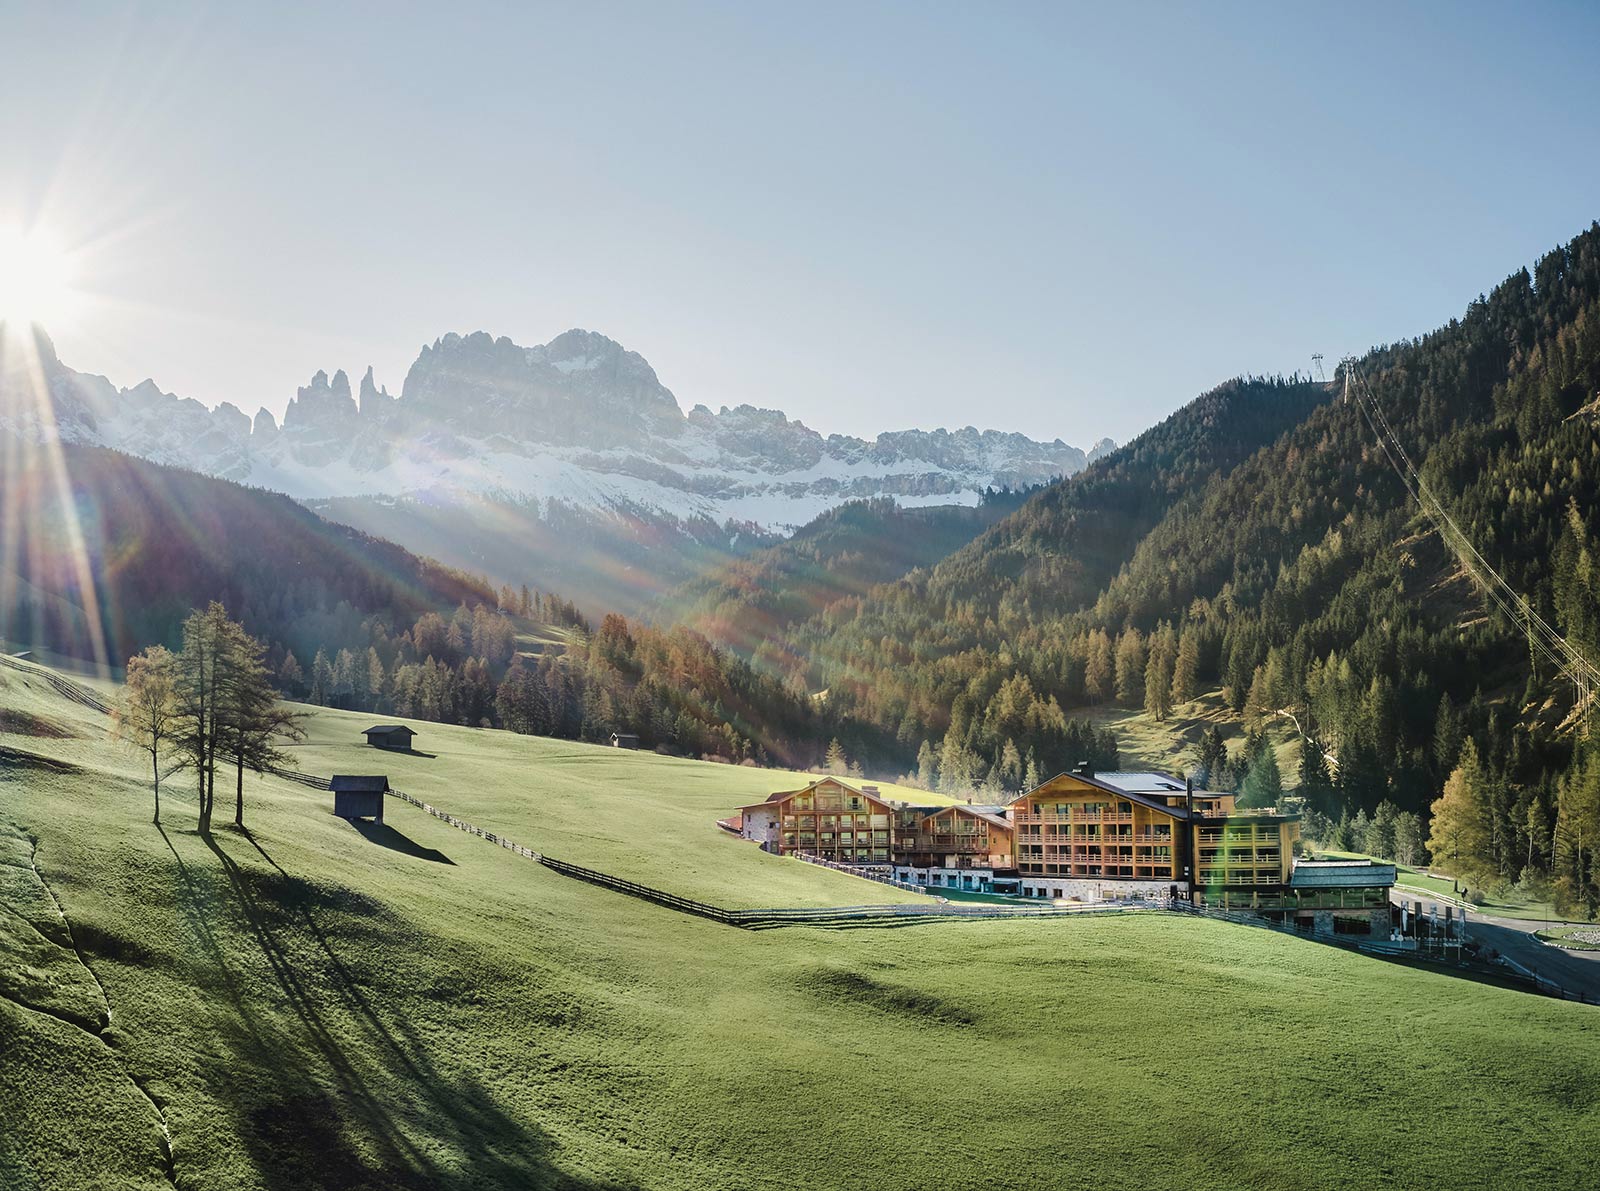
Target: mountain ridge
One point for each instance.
(580, 419)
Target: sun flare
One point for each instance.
(36, 277)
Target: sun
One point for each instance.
(36, 277)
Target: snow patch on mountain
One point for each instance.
(579, 420)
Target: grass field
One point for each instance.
(314, 1006)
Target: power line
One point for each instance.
(1543, 639)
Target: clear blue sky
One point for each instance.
(1066, 220)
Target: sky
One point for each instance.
(1060, 219)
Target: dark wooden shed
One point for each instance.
(359, 797)
(390, 736)
(624, 740)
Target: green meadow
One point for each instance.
(313, 1005)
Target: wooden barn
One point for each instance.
(358, 796)
(624, 740)
(390, 736)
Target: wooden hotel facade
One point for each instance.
(1076, 836)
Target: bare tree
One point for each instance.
(147, 713)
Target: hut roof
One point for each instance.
(388, 730)
(348, 783)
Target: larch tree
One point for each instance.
(251, 721)
(375, 679)
(1099, 676)
(146, 715)
(1158, 682)
(1459, 837)
(201, 668)
(227, 707)
(1130, 668)
(291, 678)
(834, 761)
(1186, 668)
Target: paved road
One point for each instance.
(1575, 971)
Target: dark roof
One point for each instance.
(1336, 874)
(388, 730)
(1149, 800)
(1141, 782)
(346, 783)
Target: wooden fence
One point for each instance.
(65, 687)
(759, 919)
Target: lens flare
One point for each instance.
(36, 277)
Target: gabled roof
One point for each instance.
(348, 783)
(989, 814)
(783, 795)
(1153, 801)
(388, 730)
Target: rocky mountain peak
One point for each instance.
(580, 420)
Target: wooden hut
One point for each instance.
(358, 796)
(624, 740)
(390, 736)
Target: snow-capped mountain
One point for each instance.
(579, 422)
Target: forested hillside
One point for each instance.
(1281, 559)
(846, 551)
(114, 552)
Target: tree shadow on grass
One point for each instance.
(348, 1102)
(387, 837)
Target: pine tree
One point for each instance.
(1447, 736)
(1263, 782)
(1537, 828)
(321, 680)
(1315, 785)
(1408, 838)
(1213, 758)
(1381, 838)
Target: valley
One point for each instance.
(306, 1003)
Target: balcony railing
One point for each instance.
(1075, 817)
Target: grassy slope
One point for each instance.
(315, 1010)
(1145, 742)
(641, 816)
